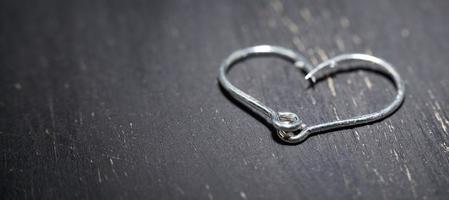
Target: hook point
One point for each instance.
(310, 77)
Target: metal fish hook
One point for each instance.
(289, 126)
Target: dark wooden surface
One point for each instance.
(119, 100)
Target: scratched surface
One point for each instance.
(119, 100)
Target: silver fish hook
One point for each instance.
(289, 126)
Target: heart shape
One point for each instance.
(289, 126)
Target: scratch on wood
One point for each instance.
(99, 175)
(298, 43)
(368, 82)
(390, 126)
(357, 135)
(83, 65)
(18, 86)
(340, 44)
(112, 167)
(354, 101)
(209, 195)
(53, 123)
(369, 51)
(336, 149)
(180, 190)
(313, 60)
(344, 22)
(322, 54)
(445, 147)
(243, 195)
(174, 32)
(313, 100)
(396, 154)
(440, 119)
(290, 25)
(346, 181)
(278, 6)
(306, 14)
(412, 182)
(349, 81)
(443, 121)
(330, 83)
(405, 33)
(431, 95)
(336, 114)
(381, 178)
(356, 39)
(272, 23)
(311, 52)
(52, 111)
(438, 105)
(80, 117)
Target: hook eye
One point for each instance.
(287, 121)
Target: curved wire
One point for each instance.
(289, 127)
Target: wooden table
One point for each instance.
(119, 100)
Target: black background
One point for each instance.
(119, 99)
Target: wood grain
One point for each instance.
(119, 100)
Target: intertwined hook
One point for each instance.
(289, 126)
